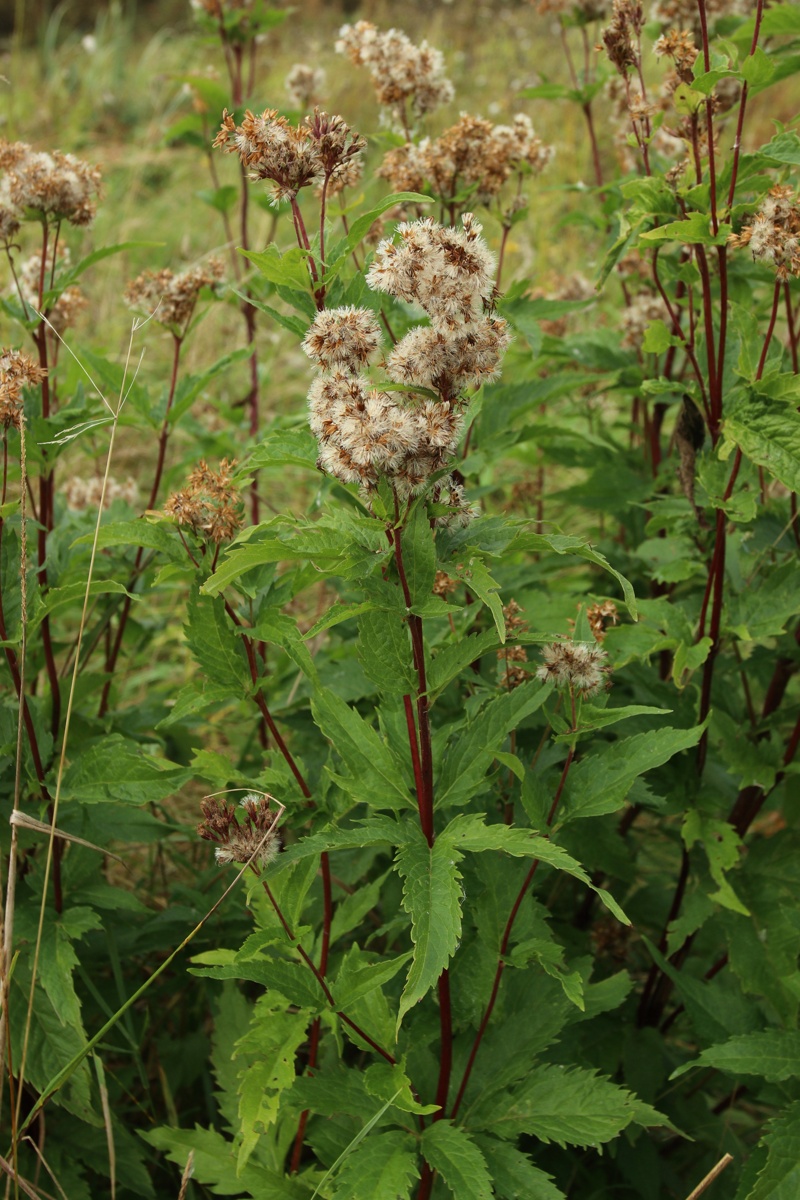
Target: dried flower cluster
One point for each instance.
(17, 371)
(513, 657)
(87, 493)
(69, 305)
(321, 149)
(774, 235)
(365, 433)
(621, 37)
(249, 837)
(400, 70)
(600, 616)
(44, 186)
(473, 153)
(209, 504)
(575, 665)
(170, 297)
(683, 13)
(305, 85)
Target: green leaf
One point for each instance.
(293, 980)
(513, 1174)
(115, 768)
(449, 661)
(377, 831)
(479, 581)
(388, 1081)
(217, 650)
(469, 833)
(450, 1150)
(137, 533)
(779, 1178)
(599, 784)
(296, 325)
(432, 897)
(285, 448)
(768, 432)
(214, 1164)
(722, 845)
(757, 69)
(566, 1105)
(763, 610)
(353, 982)
(374, 775)
(384, 648)
(270, 1043)
(590, 717)
(784, 148)
(695, 230)
(471, 751)
(289, 270)
(773, 1054)
(419, 555)
(384, 1167)
(538, 543)
(657, 338)
(73, 593)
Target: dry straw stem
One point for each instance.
(188, 1172)
(711, 1176)
(8, 915)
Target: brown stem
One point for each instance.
(737, 144)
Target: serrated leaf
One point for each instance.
(695, 229)
(419, 555)
(432, 897)
(216, 649)
(450, 1150)
(722, 845)
(289, 270)
(384, 649)
(374, 777)
(384, 1167)
(469, 833)
(779, 1178)
(479, 581)
(768, 432)
(449, 661)
(214, 1163)
(599, 784)
(773, 1054)
(362, 225)
(285, 447)
(388, 1081)
(473, 749)
(355, 981)
(115, 768)
(137, 533)
(566, 1105)
(513, 1174)
(293, 980)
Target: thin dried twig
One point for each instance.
(711, 1176)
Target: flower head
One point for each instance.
(774, 233)
(579, 666)
(247, 836)
(209, 505)
(17, 371)
(400, 70)
(342, 337)
(49, 186)
(305, 85)
(172, 297)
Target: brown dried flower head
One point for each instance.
(774, 233)
(209, 505)
(576, 12)
(400, 70)
(581, 667)
(44, 186)
(600, 616)
(17, 371)
(472, 153)
(247, 835)
(621, 35)
(343, 337)
(172, 298)
(510, 656)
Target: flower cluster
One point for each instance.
(600, 616)
(621, 36)
(305, 85)
(69, 305)
(365, 433)
(87, 493)
(320, 149)
(683, 13)
(44, 186)
(17, 371)
(774, 235)
(400, 70)
(170, 297)
(209, 504)
(473, 153)
(513, 657)
(578, 666)
(249, 837)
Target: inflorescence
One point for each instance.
(364, 432)
(44, 186)
(249, 836)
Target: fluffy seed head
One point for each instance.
(575, 665)
(342, 337)
(246, 836)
